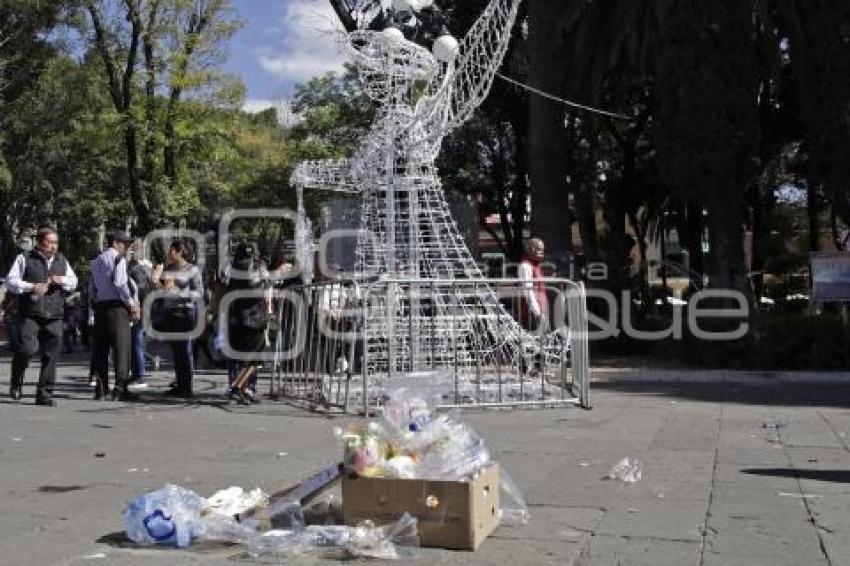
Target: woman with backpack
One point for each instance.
(247, 318)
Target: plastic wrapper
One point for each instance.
(235, 501)
(411, 403)
(282, 513)
(514, 508)
(365, 449)
(170, 516)
(413, 440)
(627, 470)
(391, 542)
(326, 509)
(457, 453)
(223, 528)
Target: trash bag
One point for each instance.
(391, 542)
(236, 501)
(366, 540)
(514, 510)
(170, 516)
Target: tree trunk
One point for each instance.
(121, 93)
(726, 257)
(519, 201)
(813, 214)
(133, 180)
(836, 234)
(170, 150)
(586, 213)
(690, 230)
(197, 26)
(149, 49)
(550, 217)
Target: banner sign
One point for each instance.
(830, 277)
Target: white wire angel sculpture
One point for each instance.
(407, 231)
(421, 96)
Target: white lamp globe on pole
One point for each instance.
(446, 49)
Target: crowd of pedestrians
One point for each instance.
(125, 298)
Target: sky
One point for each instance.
(282, 43)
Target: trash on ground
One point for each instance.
(174, 516)
(387, 467)
(774, 425)
(100, 455)
(170, 516)
(413, 441)
(94, 556)
(235, 501)
(365, 540)
(627, 470)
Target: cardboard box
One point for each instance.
(452, 514)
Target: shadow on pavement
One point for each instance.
(119, 539)
(778, 394)
(836, 476)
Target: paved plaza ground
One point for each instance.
(754, 474)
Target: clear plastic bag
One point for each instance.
(456, 454)
(365, 448)
(514, 508)
(392, 542)
(236, 501)
(170, 516)
(223, 528)
(411, 402)
(280, 513)
(627, 470)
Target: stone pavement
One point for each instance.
(732, 474)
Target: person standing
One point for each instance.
(247, 319)
(182, 281)
(140, 276)
(41, 278)
(11, 312)
(114, 309)
(534, 302)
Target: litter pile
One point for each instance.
(413, 441)
(174, 516)
(408, 480)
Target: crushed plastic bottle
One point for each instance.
(627, 470)
(170, 516)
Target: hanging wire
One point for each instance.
(563, 101)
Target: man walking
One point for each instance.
(41, 278)
(114, 308)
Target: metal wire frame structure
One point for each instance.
(432, 307)
(341, 345)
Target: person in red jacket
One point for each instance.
(534, 303)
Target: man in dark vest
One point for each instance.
(42, 278)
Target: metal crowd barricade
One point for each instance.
(342, 344)
(315, 329)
